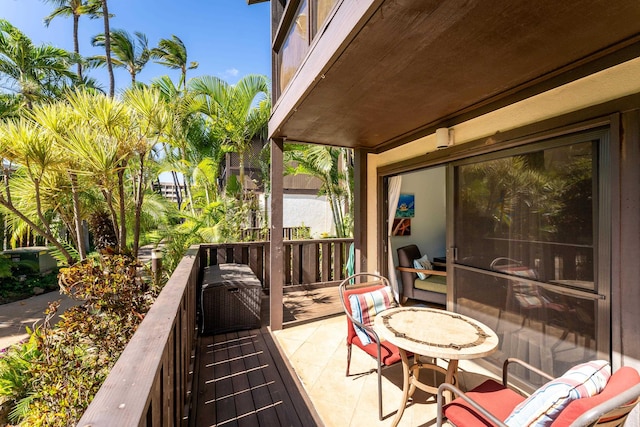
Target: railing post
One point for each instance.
(156, 265)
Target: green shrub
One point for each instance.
(75, 357)
(15, 376)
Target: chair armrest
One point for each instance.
(510, 360)
(450, 387)
(419, 270)
(618, 406)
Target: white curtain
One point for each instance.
(395, 183)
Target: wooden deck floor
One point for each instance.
(243, 381)
(241, 378)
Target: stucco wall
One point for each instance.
(428, 226)
(608, 85)
(307, 210)
(613, 83)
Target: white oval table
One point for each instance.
(433, 333)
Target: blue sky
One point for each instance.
(228, 38)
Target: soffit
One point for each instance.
(420, 64)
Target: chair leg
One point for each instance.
(348, 357)
(379, 390)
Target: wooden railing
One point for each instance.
(255, 234)
(150, 383)
(305, 261)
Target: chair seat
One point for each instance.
(390, 354)
(492, 396)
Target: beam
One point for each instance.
(276, 243)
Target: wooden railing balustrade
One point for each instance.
(305, 261)
(150, 384)
(288, 233)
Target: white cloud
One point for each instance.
(231, 72)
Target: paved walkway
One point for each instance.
(16, 316)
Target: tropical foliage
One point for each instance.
(52, 378)
(79, 170)
(333, 167)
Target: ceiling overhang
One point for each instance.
(411, 66)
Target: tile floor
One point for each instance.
(318, 354)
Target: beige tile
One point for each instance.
(318, 353)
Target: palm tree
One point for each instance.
(150, 116)
(27, 159)
(103, 147)
(326, 164)
(127, 52)
(103, 8)
(238, 113)
(172, 53)
(74, 8)
(32, 71)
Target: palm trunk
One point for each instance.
(114, 216)
(187, 184)
(76, 44)
(138, 212)
(123, 219)
(7, 203)
(107, 48)
(76, 216)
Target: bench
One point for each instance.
(230, 299)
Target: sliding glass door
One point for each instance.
(530, 246)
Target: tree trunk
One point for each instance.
(82, 250)
(107, 48)
(123, 219)
(76, 44)
(114, 216)
(139, 199)
(6, 202)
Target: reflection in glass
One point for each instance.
(543, 326)
(535, 209)
(295, 45)
(323, 7)
(525, 262)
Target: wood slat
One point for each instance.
(244, 381)
(338, 261)
(296, 264)
(245, 407)
(224, 400)
(310, 264)
(325, 255)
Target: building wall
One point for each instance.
(307, 210)
(613, 94)
(613, 83)
(429, 225)
(310, 211)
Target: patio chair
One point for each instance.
(424, 284)
(492, 403)
(363, 295)
(526, 298)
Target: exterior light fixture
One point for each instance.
(444, 138)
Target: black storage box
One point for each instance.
(230, 299)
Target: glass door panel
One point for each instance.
(526, 227)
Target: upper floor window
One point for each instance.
(308, 18)
(295, 44)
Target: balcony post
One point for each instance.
(276, 242)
